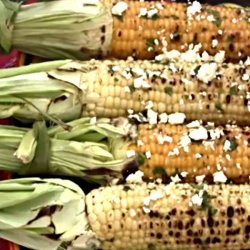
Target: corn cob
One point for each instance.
(145, 28)
(176, 217)
(209, 91)
(167, 151)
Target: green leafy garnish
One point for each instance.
(151, 246)
(233, 90)
(110, 70)
(218, 106)
(206, 199)
(131, 88)
(233, 144)
(217, 17)
(141, 158)
(150, 44)
(159, 170)
(126, 188)
(169, 90)
(119, 17)
(196, 70)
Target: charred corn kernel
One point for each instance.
(213, 96)
(217, 28)
(199, 150)
(177, 217)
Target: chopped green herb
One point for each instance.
(233, 90)
(126, 188)
(141, 158)
(131, 87)
(119, 17)
(111, 71)
(219, 107)
(150, 43)
(196, 70)
(151, 246)
(217, 17)
(169, 90)
(154, 17)
(116, 79)
(206, 199)
(233, 144)
(159, 170)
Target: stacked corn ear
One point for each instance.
(206, 90)
(33, 212)
(193, 152)
(145, 28)
(176, 216)
(83, 148)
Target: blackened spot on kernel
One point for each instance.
(230, 212)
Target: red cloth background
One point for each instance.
(7, 61)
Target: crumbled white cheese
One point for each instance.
(211, 18)
(185, 141)
(136, 177)
(152, 116)
(220, 32)
(228, 157)
(146, 210)
(184, 174)
(148, 154)
(116, 68)
(220, 56)
(197, 199)
(216, 133)
(140, 82)
(176, 118)
(238, 165)
(205, 56)
(149, 105)
(227, 145)
(247, 62)
(138, 71)
(219, 177)
(200, 178)
(245, 77)
(163, 118)
(130, 153)
(152, 12)
(174, 152)
(119, 8)
(198, 156)
(198, 134)
(126, 74)
(175, 178)
(156, 195)
(214, 43)
(140, 143)
(163, 138)
(194, 124)
(207, 72)
(234, 20)
(127, 89)
(143, 12)
(194, 8)
(159, 6)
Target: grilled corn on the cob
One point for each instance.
(209, 91)
(175, 217)
(198, 151)
(147, 27)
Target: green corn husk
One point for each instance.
(42, 213)
(60, 29)
(84, 150)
